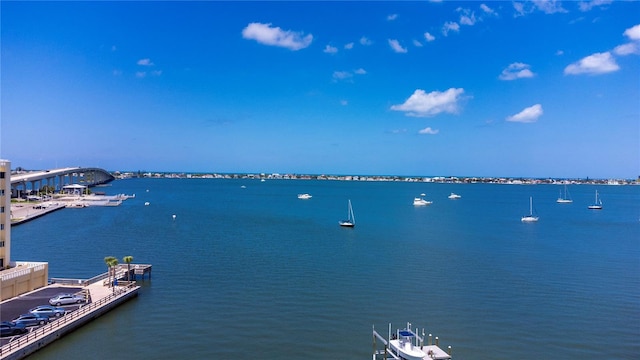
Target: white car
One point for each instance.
(66, 299)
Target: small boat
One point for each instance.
(596, 205)
(406, 344)
(454, 196)
(351, 220)
(304, 196)
(564, 199)
(419, 201)
(530, 217)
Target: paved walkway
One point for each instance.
(25, 211)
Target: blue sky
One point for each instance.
(534, 89)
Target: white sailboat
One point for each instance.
(530, 217)
(598, 204)
(564, 199)
(351, 220)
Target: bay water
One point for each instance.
(247, 270)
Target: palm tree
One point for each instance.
(109, 261)
(128, 259)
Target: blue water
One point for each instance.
(255, 272)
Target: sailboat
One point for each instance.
(597, 205)
(564, 199)
(351, 220)
(530, 217)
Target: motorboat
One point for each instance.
(454, 196)
(419, 201)
(530, 217)
(406, 344)
(304, 196)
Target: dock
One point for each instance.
(103, 298)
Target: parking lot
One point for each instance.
(13, 308)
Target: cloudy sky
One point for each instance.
(536, 89)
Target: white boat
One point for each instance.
(454, 196)
(596, 205)
(304, 196)
(406, 344)
(530, 217)
(419, 201)
(351, 220)
(564, 199)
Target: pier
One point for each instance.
(102, 298)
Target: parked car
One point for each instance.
(48, 311)
(31, 319)
(66, 299)
(8, 328)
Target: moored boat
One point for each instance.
(419, 201)
(407, 344)
(304, 196)
(597, 205)
(530, 217)
(564, 199)
(454, 196)
(351, 220)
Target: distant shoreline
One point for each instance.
(424, 179)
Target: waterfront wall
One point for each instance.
(22, 278)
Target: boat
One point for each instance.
(304, 196)
(351, 220)
(564, 199)
(597, 205)
(406, 344)
(454, 196)
(530, 217)
(419, 201)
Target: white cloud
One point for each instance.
(450, 26)
(275, 36)
(365, 41)
(429, 37)
(330, 49)
(467, 17)
(598, 63)
(145, 62)
(549, 6)
(348, 46)
(417, 43)
(392, 17)
(588, 5)
(428, 131)
(528, 115)
(626, 49)
(395, 45)
(344, 102)
(141, 74)
(487, 9)
(633, 33)
(421, 104)
(342, 75)
(347, 75)
(516, 71)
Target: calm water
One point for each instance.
(254, 272)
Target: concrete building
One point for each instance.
(16, 278)
(5, 213)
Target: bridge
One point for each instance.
(57, 178)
